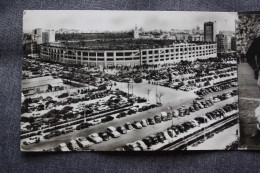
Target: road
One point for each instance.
(174, 97)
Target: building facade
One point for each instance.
(210, 31)
(96, 58)
(43, 36)
(222, 43)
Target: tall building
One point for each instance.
(48, 36)
(222, 43)
(233, 44)
(210, 31)
(136, 33)
(37, 35)
(43, 36)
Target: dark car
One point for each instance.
(151, 121)
(121, 115)
(169, 115)
(154, 139)
(104, 136)
(180, 128)
(83, 126)
(48, 136)
(176, 130)
(187, 126)
(148, 141)
(161, 137)
(121, 129)
(108, 118)
(157, 119)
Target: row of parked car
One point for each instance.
(216, 88)
(175, 130)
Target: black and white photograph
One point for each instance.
(248, 44)
(104, 80)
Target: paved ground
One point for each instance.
(173, 97)
(249, 100)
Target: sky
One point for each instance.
(105, 20)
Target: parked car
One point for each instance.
(157, 119)
(143, 122)
(121, 115)
(122, 129)
(113, 132)
(104, 136)
(151, 121)
(132, 147)
(83, 142)
(63, 147)
(163, 116)
(128, 126)
(142, 145)
(32, 140)
(73, 145)
(106, 119)
(95, 138)
(137, 125)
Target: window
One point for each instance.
(79, 53)
(100, 59)
(128, 59)
(156, 52)
(128, 53)
(150, 52)
(120, 59)
(119, 54)
(92, 59)
(144, 52)
(92, 54)
(110, 59)
(85, 53)
(150, 60)
(135, 58)
(100, 54)
(85, 58)
(110, 54)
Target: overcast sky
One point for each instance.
(124, 20)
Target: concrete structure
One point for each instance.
(222, 43)
(102, 58)
(40, 85)
(210, 30)
(196, 37)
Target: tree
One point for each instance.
(159, 95)
(148, 90)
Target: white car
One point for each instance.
(83, 142)
(95, 138)
(144, 122)
(63, 147)
(32, 140)
(96, 121)
(113, 132)
(216, 100)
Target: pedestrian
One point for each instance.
(253, 59)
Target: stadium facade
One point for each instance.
(96, 58)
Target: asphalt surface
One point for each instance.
(249, 100)
(173, 97)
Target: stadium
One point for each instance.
(126, 52)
